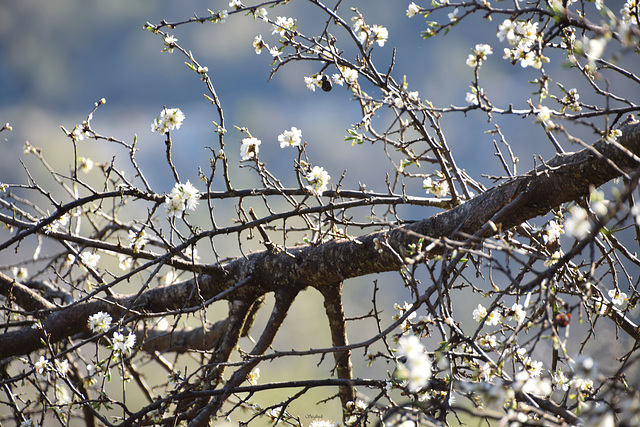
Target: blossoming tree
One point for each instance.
(512, 283)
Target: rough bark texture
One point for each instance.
(564, 178)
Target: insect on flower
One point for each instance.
(326, 83)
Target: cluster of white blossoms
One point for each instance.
(570, 101)
(181, 198)
(552, 232)
(290, 138)
(318, 180)
(490, 319)
(554, 258)
(369, 34)
(312, 82)
(438, 187)
(348, 75)
(530, 384)
(57, 224)
(82, 131)
(249, 148)
(479, 54)
(169, 119)
(577, 223)
(517, 313)
(355, 410)
(523, 35)
(629, 12)
(259, 44)
(121, 344)
(282, 25)
(410, 97)
(99, 322)
(137, 240)
(414, 366)
(219, 17)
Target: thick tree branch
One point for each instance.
(564, 178)
(338, 326)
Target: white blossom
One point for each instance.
(254, 376)
(275, 52)
(543, 114)
(635, 213)
(493, 318)
(570, 100)
(99, 322)
(122, 344)
(533, 367)
(438, 188)
(168, 278)
(137, 239)
(192, 253)
(290, 138)
(62, 395)
(57, 224)
(560, 380)
(182, 197)
(169, 119)
(415, 366)
(479, 54)
(249, 148)
(479, 313)
(20, 273)
(554, 258)
(318, 179)
(259, 44)
(413, 10)
(261, 13)
(379, 34)
(487, 341)
(518, 312)
(312, 82)
(89, 259)
(85, 164)
(577, 225)
(598, 203)
(42, 366)
(453, 16)
(552, 232)
(349, 74)
(617, 297)
(170, 43)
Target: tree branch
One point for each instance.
(562, 179)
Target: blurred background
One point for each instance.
(58, 57)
